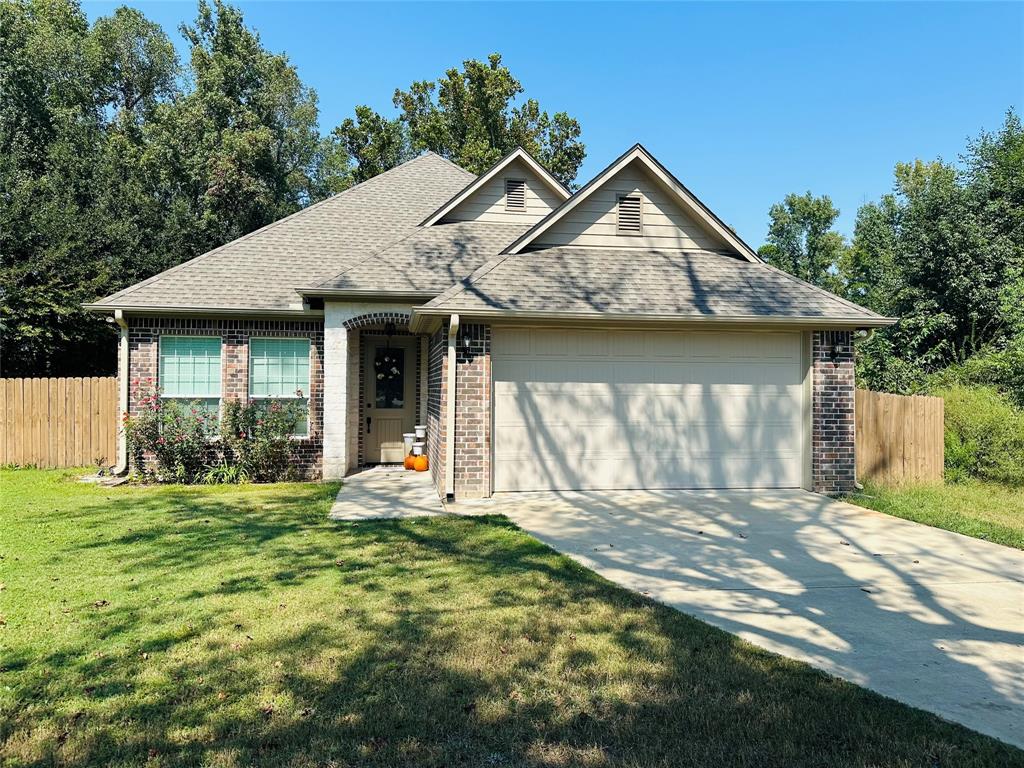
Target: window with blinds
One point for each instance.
(279, 371)
(515, 195)
(629, 220)
(189, 370)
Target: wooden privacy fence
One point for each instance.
(58, 422)
(899, 437)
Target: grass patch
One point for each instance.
(239, 626)
(975, 508)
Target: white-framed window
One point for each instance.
(279, 372)
(629, 214)
(515, 194)
(189, 371)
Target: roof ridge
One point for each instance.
(266, 227)
(450, 162)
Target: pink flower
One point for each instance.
(259, 422)
(160, 441)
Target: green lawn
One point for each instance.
(239, 626)
(984, 510)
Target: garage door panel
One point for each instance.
(646, 410)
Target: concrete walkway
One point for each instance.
(386, 492)
(925, 616)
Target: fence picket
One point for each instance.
(60, 422)
(899, 438)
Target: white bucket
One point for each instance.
(417, 449)
(408, 438)
(421, 431)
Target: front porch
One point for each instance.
(375, 386)
(386, 493)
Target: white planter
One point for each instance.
(418, 448)
(421, 431)
(408, 438)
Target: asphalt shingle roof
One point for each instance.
(262, 269)
(640, 282)
(428, 260)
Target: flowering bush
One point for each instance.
(254, 445)
(256, 436)
(176, 434)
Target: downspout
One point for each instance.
(449, 419)
(122, 392)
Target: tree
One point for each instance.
(944, 253)
(467, 116)
(112, 170)
(801, 240)
(50, 132)
(374, 143)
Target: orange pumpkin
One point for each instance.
(421, 463)
(409, 460)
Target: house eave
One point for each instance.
(197, 311)
(366, 295)
(425, 317)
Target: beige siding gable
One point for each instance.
(664, 223)
(488, 202)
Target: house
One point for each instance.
(621, 336)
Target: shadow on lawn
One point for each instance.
(449, 641)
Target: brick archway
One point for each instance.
(376, 319)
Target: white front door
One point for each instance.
(646, 409)
(390, 392)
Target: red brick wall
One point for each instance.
(832, 426)
(472, 410)
(143, 349)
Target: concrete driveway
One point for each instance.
(925, 616)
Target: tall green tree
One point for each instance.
(801, 240)
(470, 116)
(51, 135)
(117, 162)
(944, 253)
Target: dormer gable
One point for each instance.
(515, 190)
(635, 203)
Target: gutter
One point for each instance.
(122, 392)
(256, 312)
(449, 420)
(421, 315)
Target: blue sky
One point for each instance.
(744, 102)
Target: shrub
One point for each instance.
(1001, 369)
(177, 435)
(984, 435)
(257, 437)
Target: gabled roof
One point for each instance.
(683, 196)
(567, 282)
(519, 154)
(259, 271)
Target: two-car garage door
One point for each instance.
(646, 409)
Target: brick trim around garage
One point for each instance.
(833, 466)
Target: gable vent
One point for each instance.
(629, 215)
(515, 195)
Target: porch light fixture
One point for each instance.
(834, 354)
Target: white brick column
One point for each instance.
(341, 382)
(336, 365)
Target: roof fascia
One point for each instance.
(137, 310)
(605, 318)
